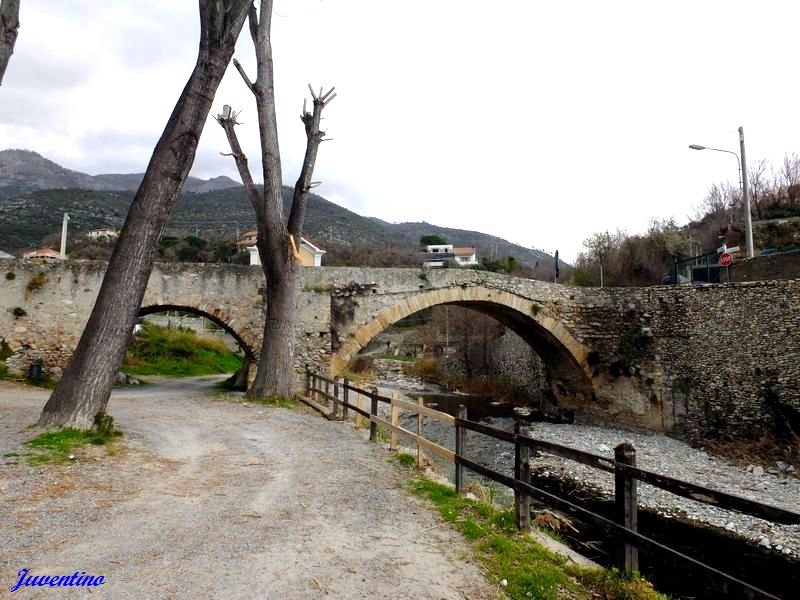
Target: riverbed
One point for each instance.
(770, 553)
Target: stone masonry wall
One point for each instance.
(698, 359)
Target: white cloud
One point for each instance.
(536, 122)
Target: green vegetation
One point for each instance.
(36, 283)
(57, 446)
(528, 569)
(19, 312)
(178, 353)
(404, 458)
(432, 240)
(11, 275)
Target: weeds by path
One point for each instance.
(517, 563)
(57, 446)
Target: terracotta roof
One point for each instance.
(42, 252)
(312, 243)
(467, 251)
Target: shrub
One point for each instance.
(11, 275)
(36, 283)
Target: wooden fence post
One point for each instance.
(308, 381)
(373, 410)
(522, 472)
(327, 392)
(336, 397)
(627, 503)
(359, 404)
(346, 398)
(420, 422)
(395, 422)
(460, 443)
(313, 386)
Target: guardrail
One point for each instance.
(623, 466)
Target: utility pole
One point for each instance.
(64, 237)
(555, 280)
(748, 221)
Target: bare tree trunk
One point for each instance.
(9, 25)
(277, 240)
(86, 385)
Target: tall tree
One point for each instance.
(86, 385)
(277, 239)
(9, 25)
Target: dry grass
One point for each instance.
(765, 450)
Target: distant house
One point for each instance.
(310, 253)
(438, 255)
(107, 232)
(46, 254)
(6, 255)
(466, 256)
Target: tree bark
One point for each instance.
(86, 385)
(9, 26)
(282, 269)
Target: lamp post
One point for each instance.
(748, 221)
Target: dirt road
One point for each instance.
(211, 498)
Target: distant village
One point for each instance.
(433, 256)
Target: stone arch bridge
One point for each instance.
(695, 359)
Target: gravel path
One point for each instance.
(668, 456)
(211, 498)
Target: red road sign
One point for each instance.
(726, 259)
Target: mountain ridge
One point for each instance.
(25, 171)
(28, 216)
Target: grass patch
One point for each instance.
(57, 446)
(42, 381)
(178, 353)
(529, 570)
(404, 458)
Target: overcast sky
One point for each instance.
(539, 122)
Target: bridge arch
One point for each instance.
(565, 357)
(215, 315)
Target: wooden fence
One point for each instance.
(342, 397)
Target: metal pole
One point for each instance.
(601, 273)
(748, 221)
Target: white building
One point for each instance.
(310, 254)
(107, 232)
(45, 254)
(437, 255)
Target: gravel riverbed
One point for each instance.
(674, 458)
(664, 455)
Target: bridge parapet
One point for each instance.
(701, 359)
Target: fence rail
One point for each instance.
(622, 465)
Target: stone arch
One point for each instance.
(567, 358)
(215, 315)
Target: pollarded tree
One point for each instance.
(277, 239)
(9, 25)
(86, 385)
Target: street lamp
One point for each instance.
(748, 221)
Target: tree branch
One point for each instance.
(227, 119)
(9, 26)
(247, 81)
(314, 138)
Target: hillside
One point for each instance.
(32, 213)
(23, 171)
